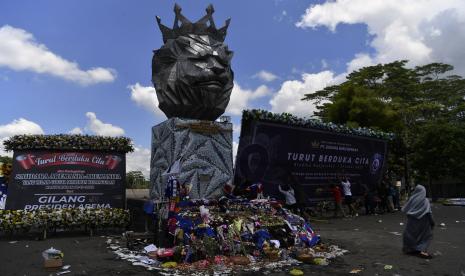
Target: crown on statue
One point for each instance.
(198, 28)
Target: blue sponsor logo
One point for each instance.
(376, 163)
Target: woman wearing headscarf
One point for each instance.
(418, 232)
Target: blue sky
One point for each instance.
(85, 66)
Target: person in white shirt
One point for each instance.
(348, 196)
(291, 202)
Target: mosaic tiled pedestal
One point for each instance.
(204, 151)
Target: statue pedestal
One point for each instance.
(203, 150)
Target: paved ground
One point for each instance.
(372, 245)
(374, 242)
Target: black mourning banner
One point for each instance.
(270, 152)
(65, 179)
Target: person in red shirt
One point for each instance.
(337, 195)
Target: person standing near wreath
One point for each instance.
(300, 194)
(336, 192)
(345, 183)
(291, 202)
(418, 232)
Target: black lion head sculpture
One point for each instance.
(192, 72)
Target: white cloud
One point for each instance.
(139, 160)
(400, 29)
(265, 76)
(235, 147)
(361, 60)
(146, 97)
(288, 98)
(100, 128)
(240, 98)
(17, 127)
(236, 128)
(20, 126)
(421, 31)
(76, 130)
(446, 37)
(20, 51)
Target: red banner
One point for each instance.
(27, 161)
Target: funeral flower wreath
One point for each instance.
(11, 220)
(289, 119)
(68, 142)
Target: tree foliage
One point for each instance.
(359, 107)
(442, 147)
(424, 106)
(6, 159)
(136, 180)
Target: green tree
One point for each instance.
(360, 107)
(136, 180)
(411, 102)
(442, 147)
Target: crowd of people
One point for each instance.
(384, 198)
(418, 232)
